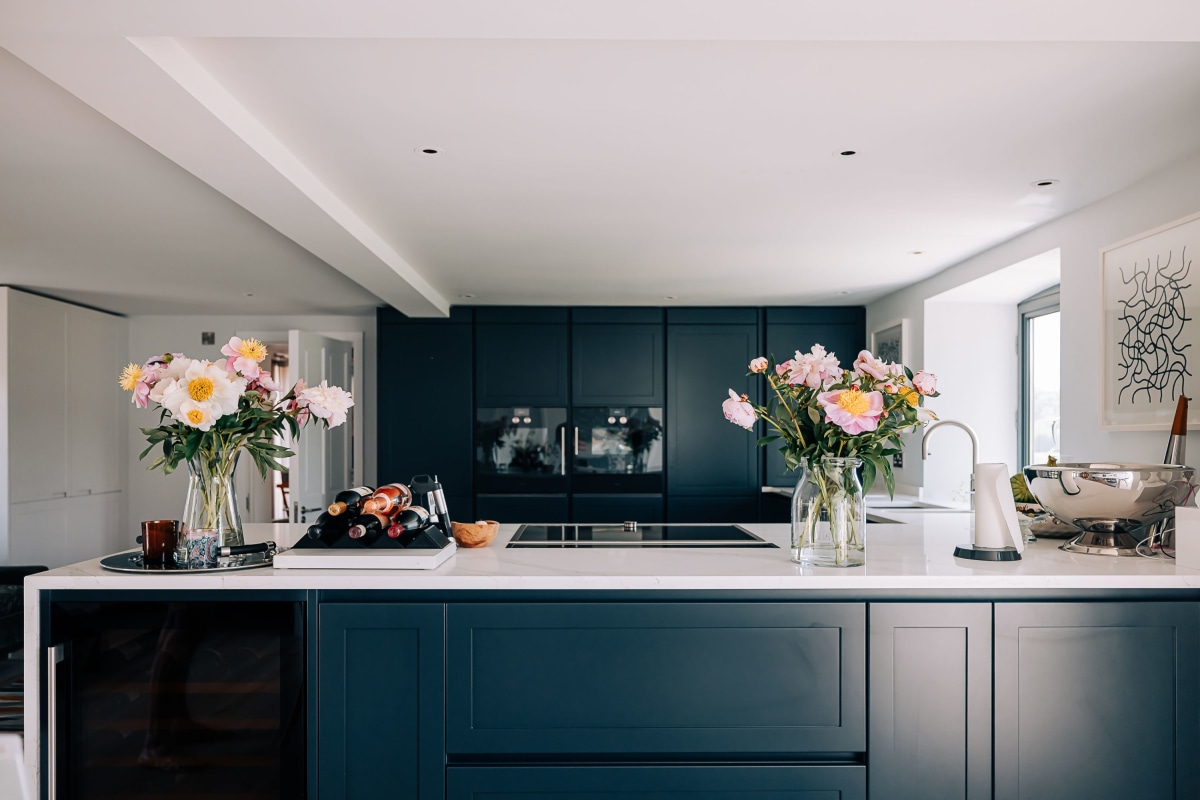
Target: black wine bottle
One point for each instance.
(328, 528)
(349, 502)
(412, 519)
(366, 528)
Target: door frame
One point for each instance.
(355, 338)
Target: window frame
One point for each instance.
(1039, 305)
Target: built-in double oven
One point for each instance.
(589, 464)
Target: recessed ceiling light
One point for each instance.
(249, 294)
(428, 151)
(847, 152)
(843, 292)
(669, 297)
(1044, 182)
(916, 252)
(467, 296)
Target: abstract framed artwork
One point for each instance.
(1151, 343)
(891, 343)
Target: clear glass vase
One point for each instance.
(211, 503)
(829, 517)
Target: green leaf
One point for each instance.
(814, 415)
(868, 475)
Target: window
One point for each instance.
(1039, 343)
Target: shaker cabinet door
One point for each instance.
(617, 365)
(380, 685)
(742, 679)
(1097, 700)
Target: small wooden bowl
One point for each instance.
(475, 534)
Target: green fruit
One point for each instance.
(1020, 489)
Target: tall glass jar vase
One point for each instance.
(211, 503)
(829, 517)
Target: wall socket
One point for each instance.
(208, 337)
(898, 460)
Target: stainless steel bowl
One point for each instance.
(1114, 504)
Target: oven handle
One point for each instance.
(562, 451)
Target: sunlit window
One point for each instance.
(1040, 429)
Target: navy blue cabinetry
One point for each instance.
(751, 679)
(617, 507)
(522, 507)
(840, 330)
(521, 357)
(618, 363)
(381, 689)
(702, 782)
(712, 465)
(424, 366)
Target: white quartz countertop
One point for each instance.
(915, 553)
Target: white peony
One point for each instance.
(208, 387)
(330, 403)
(197, 415)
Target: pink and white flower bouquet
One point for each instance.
(210, 411)
(817, 408)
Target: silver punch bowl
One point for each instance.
(1113, 504)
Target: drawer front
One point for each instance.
(780, 678)
(658, 783)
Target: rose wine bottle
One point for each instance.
(368, 527)
(349, 501)
(328, 528)
(388, 500)
(410, 519)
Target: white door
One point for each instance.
(322, 466)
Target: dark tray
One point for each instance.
(131, 561)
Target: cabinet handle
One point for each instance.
(56, 495)
(55, 655)
(575, 452)
(562, 452)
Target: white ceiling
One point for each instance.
(178, 157)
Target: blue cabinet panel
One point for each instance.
(617, 507)
(696, 782)
(380, 726)
(768, 678)
(1097, 700)
(617, 365)
(435, 351)
(842, 331)
(520, 364)
(930, 731)
(706, 454)
(712, 509)
(522, 507)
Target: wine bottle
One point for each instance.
(388, 500)
(349, 501)
(410, 519)
(366, 528)
(328, 528)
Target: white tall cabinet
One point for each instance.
(62, 431)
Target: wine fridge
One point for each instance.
(175, 699)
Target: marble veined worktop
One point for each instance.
(913, 552)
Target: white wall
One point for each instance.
(1158, 199)
(155, 496)
(974, 347)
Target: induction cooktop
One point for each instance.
(636, 535)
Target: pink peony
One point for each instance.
(867, 364)
(244, 356)
(738, 411)
(783, 369)
(925, 382)
(758, 365)
(852, 410)
(329, 403)
(815, 369)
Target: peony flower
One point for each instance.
(203, 382)
(738, 410)
(925, 415)
(815, 369)
(758, 365)
(196, 415)
(244, 356)
(783, 369)
(329, 403)
(852, 410)
(130, 377)
(867, 364)
(925, 382)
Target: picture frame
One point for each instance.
(1150, 346)
(890, 343)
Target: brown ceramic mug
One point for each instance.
(159, 537)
